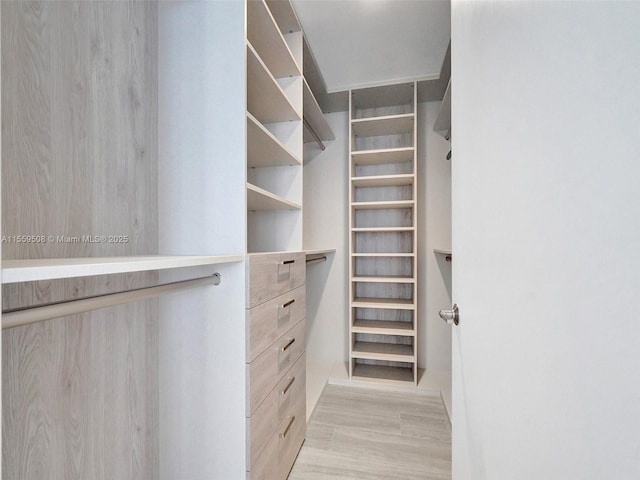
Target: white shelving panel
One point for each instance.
(383, 220)
(259, 199)
(266, 100)
(264, 149)
(265, 37)
(32, 270)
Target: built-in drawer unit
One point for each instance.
(273, 274)
(270, 320)
(270, 366)
(279, 405)
(276, 368)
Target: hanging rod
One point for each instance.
(317, 259)
(314, 134)
(40, 313)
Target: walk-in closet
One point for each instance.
(218, 260)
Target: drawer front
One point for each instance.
(273, 274)
(276, 460)
(277, 406)
(272, 365)
(289, 445)
(269, 321)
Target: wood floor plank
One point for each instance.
(365, 434)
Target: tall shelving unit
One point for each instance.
(274, 128)
(382, 218)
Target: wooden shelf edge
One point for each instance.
(381, 279)
(271, 200)
(15, 271)
(381, 150)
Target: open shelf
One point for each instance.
(381, 229)
(384, 255)
(14, 271)
(265, 99)
(382, 156)
(382, 327)
(383, 180)
(259, 199)
(383, 205)
(383, 96)
(391, 352)
(264, 149)
(381, 279)
(314, 117)
(265, 36)
(383, 374)
(389, 303)
(442, 125)
(284, 15)
(384, 125)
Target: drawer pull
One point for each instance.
(286, 430)
(286, 389)
(289, 303)
(287, 345)
(287, 262)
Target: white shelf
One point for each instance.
(284, 16)
(384, 205)
(380, 327)
(383, 181)
(314, 117)
(264, 149)
(265, 36)
(382, 156)
(384, 255)
(265, 99)
(313, 253)
(383, 374)
(390, 303)
(391, 352)
(14, 271)
(381, 229)
(259, 199)
(381, 279)
(442, 125)
(386, 125)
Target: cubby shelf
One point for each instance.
(266, 100)
(259, 199)
(265, 36)
(383, 205)
(383, 156)
(383, 181)
(384, 279)
(383, 374)
(391, 352)
(392, 303)
(264, 149)
(383, 125)
(380, 327)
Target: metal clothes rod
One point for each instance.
(319, 259)
(24, 316)
(314, 134)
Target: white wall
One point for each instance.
(326, 218)
(546, 122)
(434, 231)
(202, 210)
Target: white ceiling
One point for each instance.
(359, 43)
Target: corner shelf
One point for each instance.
(259, 199)
(266, 101)
(265, 36)
(264, 149)
(33, 270)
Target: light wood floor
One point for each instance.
(363, 434)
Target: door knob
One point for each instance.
(450, 316)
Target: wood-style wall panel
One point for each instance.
(79, 157)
